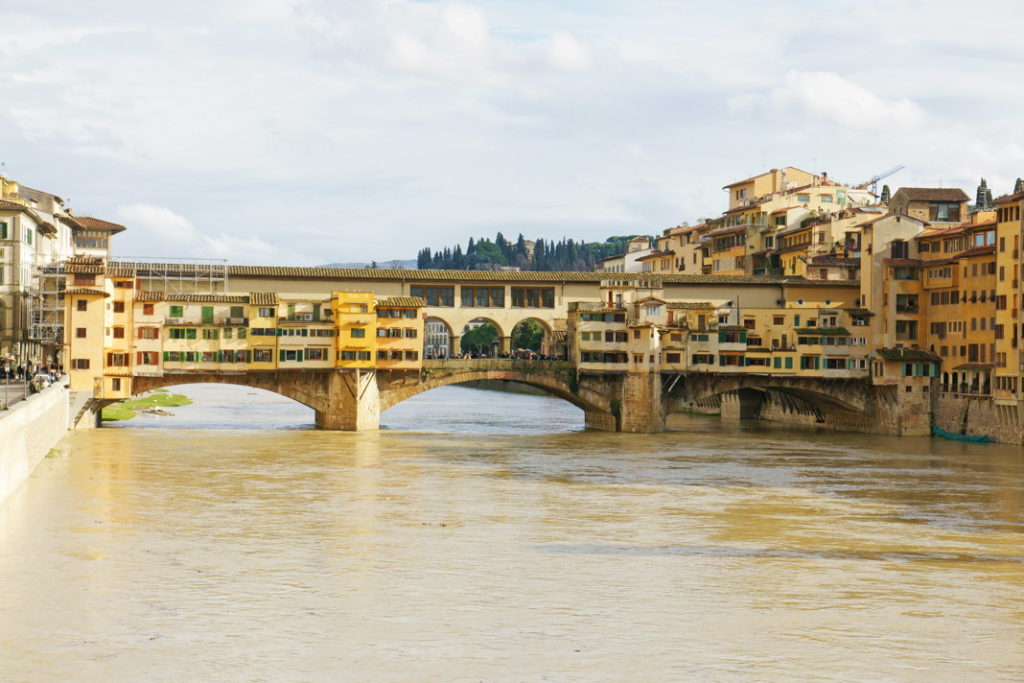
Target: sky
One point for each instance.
(304, 132)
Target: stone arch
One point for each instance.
(817, 393)
(561, 385)
(545, 326)
(432, 334)
(486, 320)
(310, 388)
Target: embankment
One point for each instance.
(28, 430)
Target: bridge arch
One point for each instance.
(822, 398)
(556, 382)
(310, 388)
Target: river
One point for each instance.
(483, 536)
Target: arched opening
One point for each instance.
(213, 406)
(437, 338)
(481, 338)
(485, 407)
(532, 338)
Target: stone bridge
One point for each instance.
(352, 400)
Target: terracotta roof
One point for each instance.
(403, 301)
(691, 306)
(263, 298)
(932, 194)
(726, 231)
(612, 257)
(902, 262)
(10, 205)
(120, 272)
(85, 291)
(149, 297)
(90, 223)
(47, 228)
(974, 366)
(788, 208)
(746, 207)
(978, 251)
(83, 268)
(208, 298)
(1010, 198)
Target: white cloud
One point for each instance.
(829, 98)
(165, 232)
(565, 52)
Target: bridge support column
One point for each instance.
(742, 404)
(506, 345)
(455, 346)
(352, 403)
(640, 410)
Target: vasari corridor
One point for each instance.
(466, 340)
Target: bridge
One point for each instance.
(352, 400)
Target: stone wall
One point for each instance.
(27, 433)
(978, 416)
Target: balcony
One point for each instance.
(906, 308)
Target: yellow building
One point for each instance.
(1007, 386)
(399, 333)
(356, 325)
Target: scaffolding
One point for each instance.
(175, 276)
(46, 307)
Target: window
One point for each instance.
(80, 363)
(803, 198)
(147, 309)
(117, 360)
(80, 332)
(211, 334)
(533, 297)
(493, 297)
(81, 304)
(434, 296)
(358, 332)
(147, 358)
(3, 230)
(316, 353)
(177, 311)
(266, 312)
(118, 307)
(262, 355)
(149, 333)
(118, 333)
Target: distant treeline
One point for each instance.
(485, 254)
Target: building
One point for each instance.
(37, 233)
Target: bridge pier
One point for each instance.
(639, 410)
(352, 403)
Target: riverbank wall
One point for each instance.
(28, 430)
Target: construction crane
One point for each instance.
(873, 182)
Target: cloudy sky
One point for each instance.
(303, 132)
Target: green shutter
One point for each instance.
(777, 362)
(817, 362)
(298, 355)
(208, 315)
(789, 363)
(281, 355)
(167, 356)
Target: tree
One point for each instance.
(480, 339)
(528, 335)
(886, 195)
(982, 195)
(1018, 186)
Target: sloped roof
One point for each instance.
(263, 298)
(85, 291)
(402, 301)
(90, 223)
(932, 194)
(907, 354)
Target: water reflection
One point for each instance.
(486, 537)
